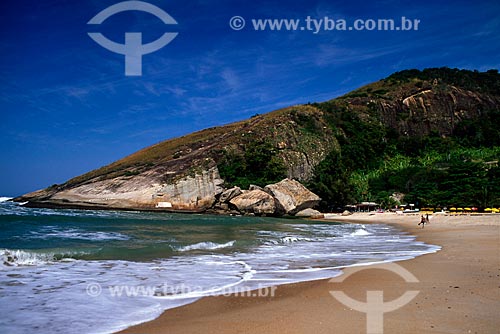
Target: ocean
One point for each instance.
(76, 271)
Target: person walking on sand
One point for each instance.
(422, 221)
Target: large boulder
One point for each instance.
(229, 194)
(291, 196)
(309, 213)
(346, 213)
(254, 201)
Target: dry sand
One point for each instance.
(459, 290)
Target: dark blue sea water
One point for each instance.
(73, 271)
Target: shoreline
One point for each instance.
(459, 290)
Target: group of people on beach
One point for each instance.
(424, 220)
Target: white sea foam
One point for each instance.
(206, 245)
(288, 240)
(5, 199)
(359, 232)
(293, 239)
(18, 257)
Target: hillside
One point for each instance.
(430, 135)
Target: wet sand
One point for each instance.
(459, 290)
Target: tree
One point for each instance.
(259, 164)
(331, 182)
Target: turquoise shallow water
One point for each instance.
(60, 264)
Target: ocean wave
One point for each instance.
(287, 240)
(5, 199)
(206, 245)
(79, 234)
(12, 258)
(360, 232)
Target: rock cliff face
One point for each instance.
(191, 193)
(434, 110)
(183, 173)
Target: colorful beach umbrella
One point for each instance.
(460, 209)
(453, 209)
(488, 209)
(467, 209)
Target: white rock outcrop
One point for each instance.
(193, 193)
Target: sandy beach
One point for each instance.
(459, 290)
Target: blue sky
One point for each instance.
(66, 106)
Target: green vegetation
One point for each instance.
(258, 165)
(331, 182)
(461, 177)
(486, 82)
(374, 162)
(480, 132)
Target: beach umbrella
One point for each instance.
(488, 209)
(453, 209)
(495, 210)
(474, 209)
(460, 209)
(467, 209)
